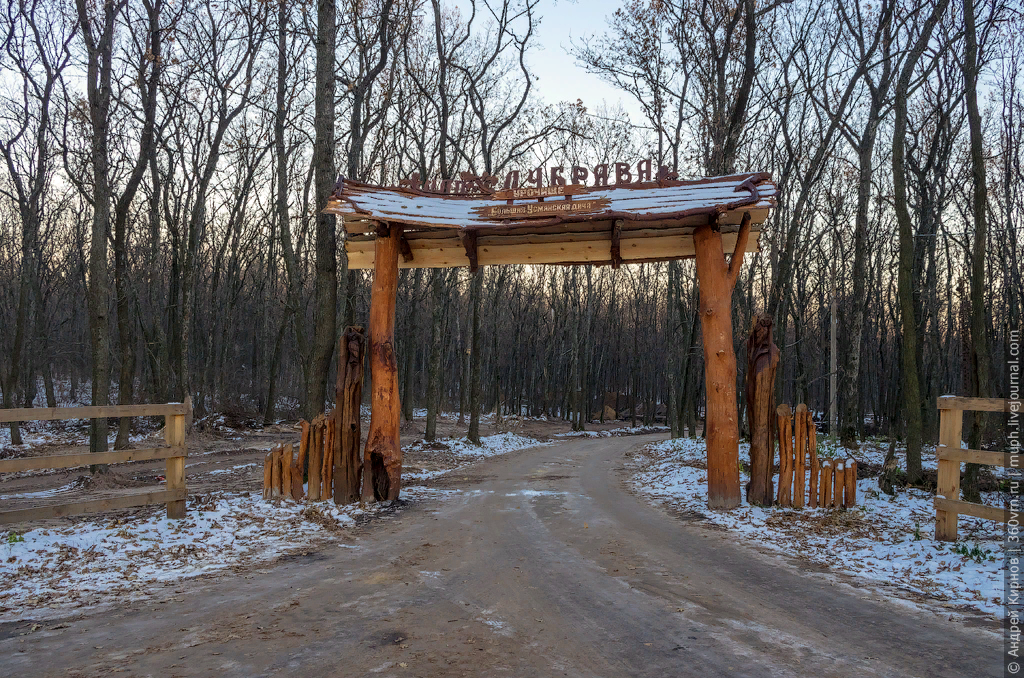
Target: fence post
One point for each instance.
(948, 482)
(174, 434)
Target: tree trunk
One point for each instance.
(409, 375)
(382, 458)
(911, 377)
(980, 358)
(99, 48)
(434, 364)
(325, 317)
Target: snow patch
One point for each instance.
(886, 539)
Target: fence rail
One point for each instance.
(174, 453)
(948, 506)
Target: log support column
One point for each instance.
(716, 280)
(382, 457)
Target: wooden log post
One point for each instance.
(275, 473)
(717, 280)
(286, 472)
(174, 435)
(850, 497)
(825, 491)
(762, 361)
(800, 467)
(304, 442)
(785, 495)
(812, 453)
(268, 474)
(948, 479)
(316, 451)
(295, 471)
(348, 397)
(382, 457)
(838, 483)
(326, 475)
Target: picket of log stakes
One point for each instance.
(645, 216)
(804, 479)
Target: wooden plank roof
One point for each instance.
(651, 221)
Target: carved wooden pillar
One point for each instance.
(716, 280)
(348, 397)
(762, 360)
(382, 458)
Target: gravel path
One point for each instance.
(538, 563)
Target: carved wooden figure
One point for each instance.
(762, 361)
(348, 398)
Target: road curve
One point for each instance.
(540, 563)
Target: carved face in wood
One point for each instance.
(762, 329)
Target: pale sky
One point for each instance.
(559, 78)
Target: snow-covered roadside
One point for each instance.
(96, 559)
(885, 539)
(82, 563)
(612, 432)
(458, 452)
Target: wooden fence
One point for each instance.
(804, 479)
(174, 452)
(948, 506)
(283, 470)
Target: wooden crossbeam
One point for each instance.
(616, 246)
(93, 506)
(92, 412)
(452, 253)
(986, 457)
(976, 404)
(89, 458)
(469, 242)
(966, 508)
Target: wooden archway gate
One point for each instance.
(664, 220)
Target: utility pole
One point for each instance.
(833, 411)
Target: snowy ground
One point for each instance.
(91, 560)
(608, 433)
(458, 452)
(888, 540)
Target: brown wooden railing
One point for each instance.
(174, 452)
(948, 506)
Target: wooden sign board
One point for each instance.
(532, 210)
(526, 192)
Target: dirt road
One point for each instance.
(538, 564)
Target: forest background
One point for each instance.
(165, 163)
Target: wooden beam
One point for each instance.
(986, 457)
(54, 461)
(403, 245)
(966, 508)
(364, 223)
(616, 246)
(93, 412)
(975, 404)
(469, 243)
(382, 456)
(93, 506)
(947, 482)
(451, 253)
